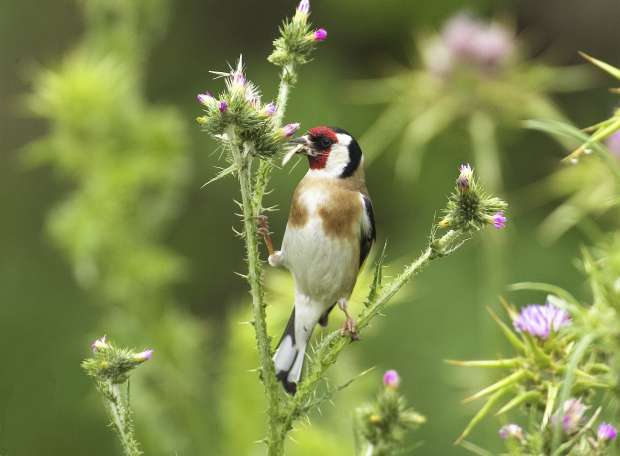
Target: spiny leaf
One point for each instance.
(511, 362)
(510, 335)
(552, 393)
(223, 173)
(518, 400)
(499, 385)
(612, 70)
(484, 411)
(377, 279)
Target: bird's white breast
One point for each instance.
(324, 265)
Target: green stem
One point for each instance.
(121, 419)
(243, 161)
(266, 166)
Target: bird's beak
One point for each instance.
(299, 145)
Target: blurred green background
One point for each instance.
(47, 319)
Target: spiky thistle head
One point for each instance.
(470, 207)
(111, 363)
(297, 40)
(239, 109)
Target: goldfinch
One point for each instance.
(329, 233)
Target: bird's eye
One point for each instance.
(324, 142)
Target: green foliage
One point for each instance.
(126, 165)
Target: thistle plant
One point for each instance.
(591, 188)
(544, 339)
(471, 73)
(110, 367)
(380, 427)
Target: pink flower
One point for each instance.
(223, 107)
(606, 432)
(320, 34)
(99, 344)
(304, 7)
(271, 109)
(511, 430)
(465, 176)
(391, 379)
(499, 220)
(143, 356)
(289, 129)
(205, 98)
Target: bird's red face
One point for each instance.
(332, 152)
(321, 140)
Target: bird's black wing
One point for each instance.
(369, 232)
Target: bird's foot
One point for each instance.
(349, 328)
(263, 230)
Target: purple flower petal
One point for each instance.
(391, 379)
(511, 430)
(304, 7)
(223, 107)
(289, 129)
(320, 34)
(499, 220)
(541, 320)
(606, 432)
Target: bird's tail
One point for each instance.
(290, 354)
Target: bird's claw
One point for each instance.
(263, 230)
(263, 225)
(349, 328)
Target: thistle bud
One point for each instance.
(465, 176)
(571, 415)
(143, 356)
(606, 432)
(304, 7)
(391, 379)
(223, 106)
(511, 431)
(320, 35)
(289, 129)
(205, 98)
(99, 344)
(499, 220)
(270, 109)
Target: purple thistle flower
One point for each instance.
(459, 33)
(143, 356)
(465, 176)
(304, 7)
(471, 40)
(540, 321)
(492, 44)
(499, 220)
(270, 109)
(613, 144)
(99, 344)
(511, 430)
(320, 34)
(289, 129)
(223, 107)
(391, 379)
(606, 432)
(204, 98)
(571, 415)
(238, 78)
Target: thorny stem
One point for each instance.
(121, 418)
(243, 161)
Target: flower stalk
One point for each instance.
(110, 366)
